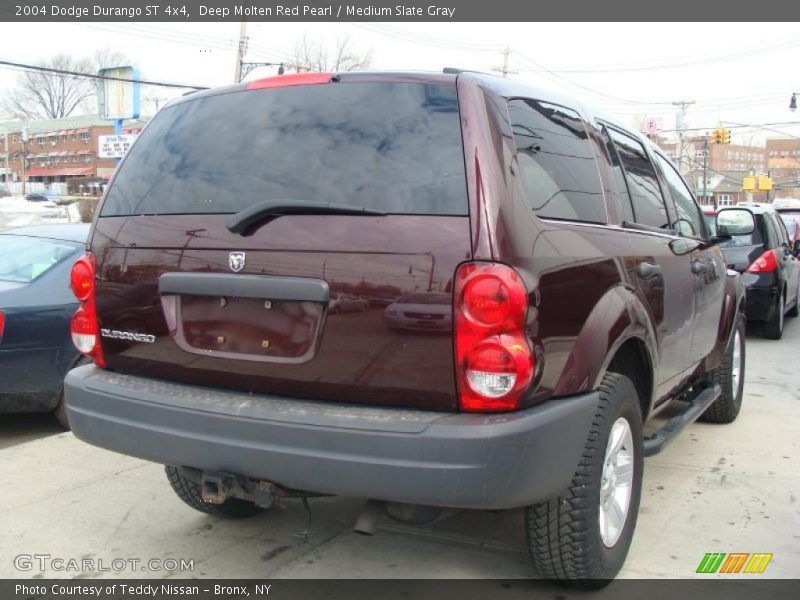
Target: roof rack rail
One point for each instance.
(457, 71)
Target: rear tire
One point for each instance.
(795, 310)
(726, 408)
(189, 491)
(565, 536)
(773, 328)
(60, 411)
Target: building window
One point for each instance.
(724, 200)
(40, 140)
(85, 136)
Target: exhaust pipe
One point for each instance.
(369, 517)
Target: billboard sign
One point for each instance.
(114, 146)
(118, 93)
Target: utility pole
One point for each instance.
(24, 137)
(504, 70)
(680, 126)
(705, 173)
(8, 154)
(240, 51)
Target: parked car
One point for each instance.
(760, 249)
(45, 196)
(421, 311)
(343, 303)
(36, 305)
(587, 295)
(792, 223)
(787, 206)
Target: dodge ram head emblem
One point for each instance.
(236, 261)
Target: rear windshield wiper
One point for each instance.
(239, 222)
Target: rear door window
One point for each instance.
(557, 164)
(392, 147)
(648, 203)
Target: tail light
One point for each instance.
(766, 263)
(2, 323)
(494, 362)
(84, 326)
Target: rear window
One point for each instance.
(24, 259)
(393, 147)
(751, 239)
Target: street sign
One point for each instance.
(118, 93)
(654, 125)
(114, 146)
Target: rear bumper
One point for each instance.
(443, 459)
(761, 302)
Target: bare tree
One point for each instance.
(314, 56)
(54, 95)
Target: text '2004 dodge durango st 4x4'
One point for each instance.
(585, 294)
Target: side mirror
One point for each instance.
(734, 221)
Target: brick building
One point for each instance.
(783, 163)
(57, 151)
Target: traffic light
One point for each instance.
(724, 136)
(713, 137)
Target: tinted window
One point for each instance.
(557, 165)
(690, 219)
(25, 259)
(791, 226)
(390, 147)
(648, 204)
(783, 235)
(751, 239)
(619, 178)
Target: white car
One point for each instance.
(421, 311)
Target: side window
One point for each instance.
(783, 234)
(556, 162)
(690, 219)
(648, 204)
(619, 178)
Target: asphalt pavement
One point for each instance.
(717, 488)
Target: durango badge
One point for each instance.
(236, 261)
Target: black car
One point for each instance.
(760, 249)
(36, 305)
(45, 196)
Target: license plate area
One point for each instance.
(268, 329)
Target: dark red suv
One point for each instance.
(583, 292)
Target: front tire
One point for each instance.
(729, 375)
(582, 537)
(189, 491)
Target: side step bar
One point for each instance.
(696, 407)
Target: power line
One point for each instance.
(688, 61)
(65, 73)
(741, 125)
(588, 89)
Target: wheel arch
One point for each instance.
(617, 336)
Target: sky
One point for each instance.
(736, 73)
